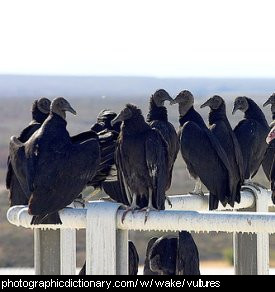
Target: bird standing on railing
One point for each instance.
(158, 119)
(56, 170)
(268, 158)
(251, 133)
(206, 160)
(270, 139)
(174, 255)
(105, 177)
(221, 128)
(142, 161)
(40, 111)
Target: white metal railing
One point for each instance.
(107, 236)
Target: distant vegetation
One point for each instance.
(88, 96)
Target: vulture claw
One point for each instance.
(169, 202)
(128, 209)
(79, 201)
(201, 194)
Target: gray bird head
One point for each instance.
(60, 105)
(163, 256)
(271, 101)
(185, 99)
(241, 104)
(127, 113)
(160, 96)
(44, 104)
(213, 102)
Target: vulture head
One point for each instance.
(214, 102)
(271, 101)
(43, 105)
(160, 96)
(271, 135)
(185, 99)
(60, 105)
(163, 256)
(130, 111)
(105, 117)
(241, 104)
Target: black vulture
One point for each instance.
(53, 169)
(221, 128)
(206, 160)
(106, 174)
(270, 139)
(268, 157)
(142, 160)
(146, 268)
(251, 133)
(106, 178)
(158, 119)
(40, 111)
(133, 261)
(175, 255)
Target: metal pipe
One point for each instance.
(162, 220)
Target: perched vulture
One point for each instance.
(158, 119)
(221, 128)
(175, 255)
(251, 133)
(270, 139)
(268, 158)
(133, 261)
(206, 160)
(142, 160)
(53, 169)
(106, 177)
(40, 111)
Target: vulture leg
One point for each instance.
(149, 207)
(198, 189)
(79, 201)
(169, 202)
(132, 208)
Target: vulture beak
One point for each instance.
(173, 101)
(116, 120)
(267, 102)
(169, 98)
(235, 109)
(270, 136)
(207, 103)
(68, 108)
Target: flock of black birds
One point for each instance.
(131, 159)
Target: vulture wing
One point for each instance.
(205, 158)
(187, 255)
(61, 175)
(157, 164)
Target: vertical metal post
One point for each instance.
(47, 252)
(122, 252)
(251, 251)
(101, 238)
(68, 251)
(262, 200)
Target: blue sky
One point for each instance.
(163, 38)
